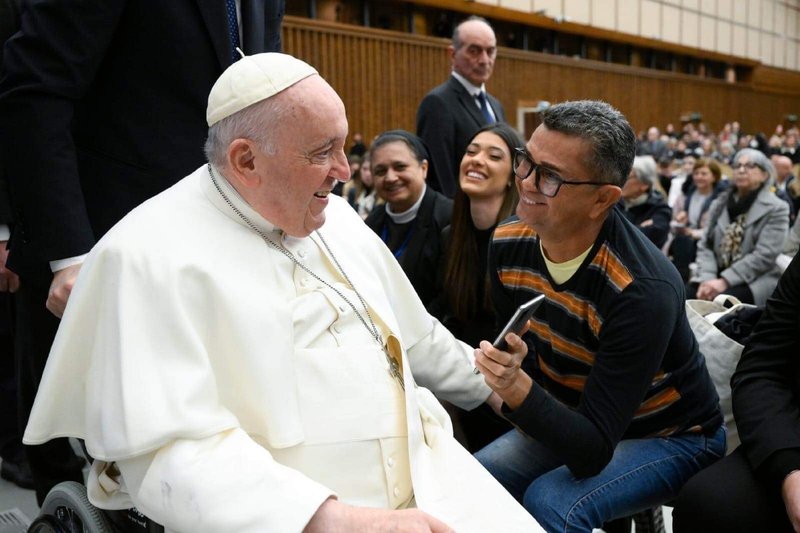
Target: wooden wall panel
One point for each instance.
(382, 75)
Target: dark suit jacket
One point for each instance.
(447, 119)
(766, 384)
(421, 260)
(9, 24)
(102, 105)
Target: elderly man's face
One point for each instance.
(474, 59)
(308, 160)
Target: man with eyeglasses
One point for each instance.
(451, 113)
(613, 404)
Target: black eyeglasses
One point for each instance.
(748, 166)
(547, 181)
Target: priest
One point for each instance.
(241, 353)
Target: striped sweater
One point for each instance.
(611, 351)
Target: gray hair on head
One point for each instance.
(456, 38)
(644, 166)
(757, 157)
(256, 122)
(612, 141)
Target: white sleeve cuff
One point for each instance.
(61, 264)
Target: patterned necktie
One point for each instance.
(481, 96)
(233, 28)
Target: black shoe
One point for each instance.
(17, 473)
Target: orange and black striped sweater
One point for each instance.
(611, 351)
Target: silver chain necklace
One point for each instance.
(372, 329)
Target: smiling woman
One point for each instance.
(486, 196)
(412, 219)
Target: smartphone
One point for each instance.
(523, 313)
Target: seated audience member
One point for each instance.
(273, 386)
(642, 202)
(414, 215)
(665, 172)
(486, 195)
(746, 231)
(365, 202)
(614, 406)
(355, 188)
(785, 182)
(757, 487)
(790, 246)
(680, 182)
(691, 213)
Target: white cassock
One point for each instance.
(235, 392)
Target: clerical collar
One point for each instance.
(471, 88)
(238, 201)
(408, 215)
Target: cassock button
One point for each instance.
(301, 252)
(396, 491)
(390, 462)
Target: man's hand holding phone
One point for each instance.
(502, 370)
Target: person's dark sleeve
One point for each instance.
(436, 127)
(658, 231)
(628, 358)
(766, 405)
(48, 67)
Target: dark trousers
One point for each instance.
(53, 461)
(728, 497)
(10, 438)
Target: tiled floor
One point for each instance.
(12, 497)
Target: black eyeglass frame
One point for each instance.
(749, 166)
(521, 153)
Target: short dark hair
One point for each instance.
(611, 139)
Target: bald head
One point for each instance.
(783, 167)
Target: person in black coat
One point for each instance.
(102, 105)
(757, 487)
(414, 215)
(642, 204)
(451, 113)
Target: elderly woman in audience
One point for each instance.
(414, 215)
(757, 487)
(746, 231)
(691, 213)
(643, 203)
(487, 194)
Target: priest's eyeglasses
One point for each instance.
(547, 181)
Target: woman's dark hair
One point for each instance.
(461, 283)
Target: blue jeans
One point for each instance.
(642, 473)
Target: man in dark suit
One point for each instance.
(102, 105)
(451, 113)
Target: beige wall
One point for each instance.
(762, 30)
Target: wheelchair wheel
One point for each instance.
(66, 509)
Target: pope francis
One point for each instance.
(241, 353)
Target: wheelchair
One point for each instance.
(67, 509)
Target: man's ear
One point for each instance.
(242, 163)
(607, 196)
